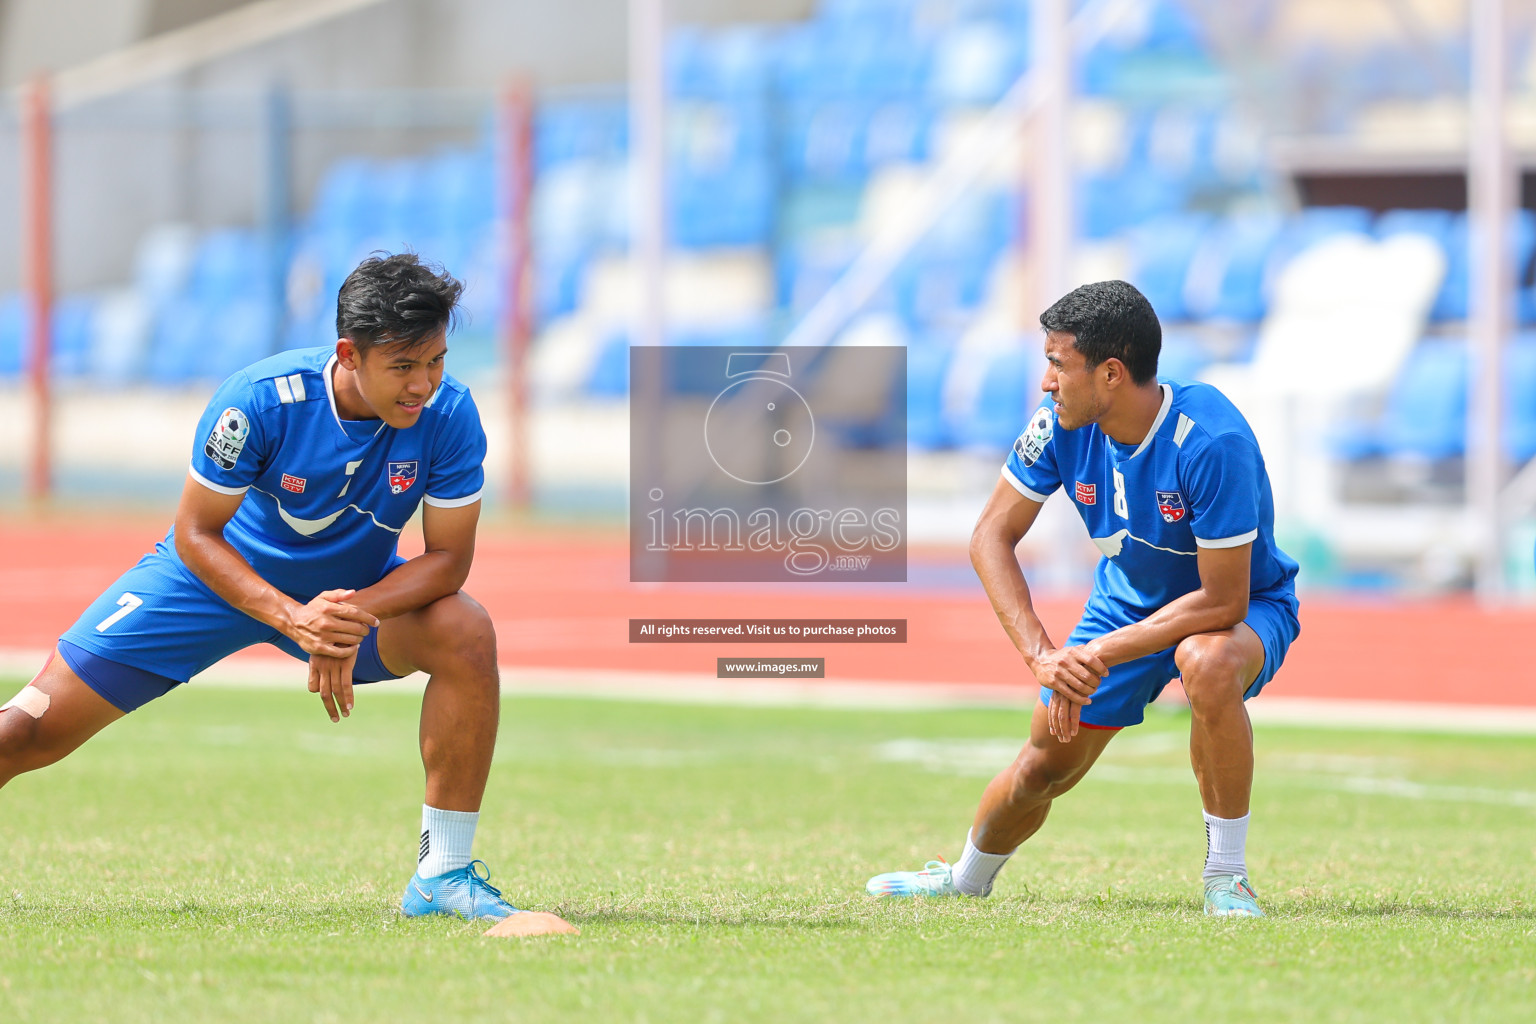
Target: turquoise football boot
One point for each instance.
(936, 879)
(465, 893)
(1231, 896)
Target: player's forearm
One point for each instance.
(416, 584)
(1199, 611)
(215, 561)
(993, 558)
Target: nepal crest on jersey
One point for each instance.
(401, 476)
(1171, 505)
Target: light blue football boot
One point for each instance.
(1231, 896)
(465, 893)
(936, 879)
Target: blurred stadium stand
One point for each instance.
(788, 143)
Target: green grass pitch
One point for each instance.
(231, 855)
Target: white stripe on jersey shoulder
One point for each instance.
(1162, 414)
(1228, 542)
(220, 488)
(290, 388)
(1182, 430)
(1018, 485)
(431, 401)
(453, 502)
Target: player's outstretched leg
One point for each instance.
(1217, 668)
(1013, 808)
(453, 641)
(49, 718)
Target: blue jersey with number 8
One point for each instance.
(1196, 480)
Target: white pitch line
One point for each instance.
(283, 673)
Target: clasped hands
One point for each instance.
(330, 630)
(1072, 674)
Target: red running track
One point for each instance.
(561, 599)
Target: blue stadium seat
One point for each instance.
(609, 377)
(71, 336)
(825, 141)
(241, 333)
(927, 364)
(898, 132)
(13, 334)
(72, 320)
(181, 332)
(1450, 230)
(734, 208)
(1110, 204)
(1227, 272)
(347, 200)
(1520, 399)
(580, 130)
(230, 264)
(1160, 253)
(1009, 392)
(1182, 356)
(557, 280)
(1426, 410)
(461, 191)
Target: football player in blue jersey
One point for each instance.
(306, 467)
(1169, 480)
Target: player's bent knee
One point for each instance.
(461, 630)
(1211, 667)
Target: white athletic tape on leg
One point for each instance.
(31, 700)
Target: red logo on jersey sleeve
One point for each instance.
(294, 483)
(1088, 494)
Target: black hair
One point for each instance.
(1110, 319)
(396, 300)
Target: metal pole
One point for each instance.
(1491, 191)
(517, 314)
(1050, 197)
(37, 245)
(277, 204)
(648, 125)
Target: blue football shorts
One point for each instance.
(159, 625)
(1123, 695)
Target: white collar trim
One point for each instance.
(330, 394)
(1162, 414)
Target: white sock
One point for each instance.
(1226, 843)
(446, 837)
(976, 870)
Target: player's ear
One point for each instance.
(1113, 371)
(346, 353)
